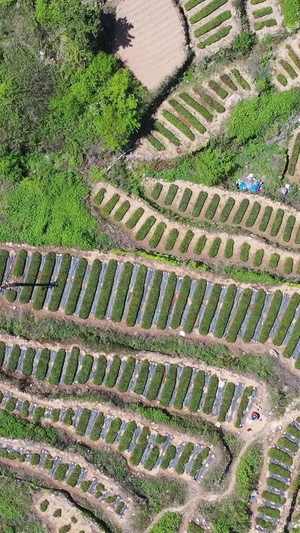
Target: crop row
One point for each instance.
(146, 297)
(143, 226)
(278, 484)
(71, 474)
(248, 213)
(262, 14)
(143, 446)
(294, 156)
(171, 385)
(290, 67)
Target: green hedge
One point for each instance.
(295, 156)
(185, 200)
(61, 282)
(211, 394)
(212, 208)
(172, 238)
(288, 265)
(271, 317)
(74, 476)
(194, 528)
(157, 235)
(245, 250)
(119, 305)
(288, 68)
(28, 362)
(97, 428)
(276, 484)
(212, 24)
(61, 472)
(152, 300)
(286, 443)
(226, 403)
(90, 290)
(184, 458)
(69, 417)
(167, 301)
(168, 456)
(282, 80)
(133, 220)
(109, 206)
(187, 115)
(113, 431)
(266, 525)
(281, 456)
(181, 302)
(121, 211)
(152, 458)
(10, 405)
(185, 243)
(83, 422)
(207, 10)
(197, 391)
(266, 218)
(200, 244)
(293, 431)
(210, 309)
(229, 248)
(106, 289)
(225, 311)
(258, 258)
(253, 215)
(31, 277)
(214, 249)
(169, 386)
(277, 223)
(155, 193)
(188, 99)
(127, 375)
(183, 387)
(145, 228)
(113, 372)
(269, 511)
(274, 260)
(199, 461)
(265, 23)
(228, 81)
(227, 209)
(98, 199)
(72, 366)
(243, 405)
(127, 436)
(255, 315)
(240, 79)
(25, 409)
(156, 382)
(214, 104)
(179, 125)
(259, 13)
(45, 278)
(38, 414)
(18, 269)
(273, 497)
(167, 133)
(137, 296)
(14, 358)
(286, 320)
(192, 3)
(160, 147)
(288, 230)
(239, 316)
(2, 352)
(214, 86)
(55, 415)
(199, 203)
(279, 470)
(291, 345)
(195, 306)
(238, 217)
(57, 367)
(11, 295)
(140, 447)
(42, 366)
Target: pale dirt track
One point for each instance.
(150, 39)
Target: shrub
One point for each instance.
(239, 78)
(167, 133)
(44, 505)
(185, 243)
(55, 415)
(199, 203)
(31, 277)
(157, 235)
(97, 427)
(212, 24)
(227, 209)
(229, 248)
(28, 362)
(195, 306)
(133, 220)
(214, 104)
(140, 447)
(207, 10)
(270, 496)
(136, 297)
(169, 386)
(269, 511)
(72, 367)
(145, 228)
(294, 57)
(121, 211)
(127, 375)
(106, 289)
(279, 471)
(192, 3)
(113, 431)
(274, 260)
(61, 282)
(210, 309)
(221, 34)
(199, 461)
(266, 218)
(281, 456)
(292, 430)
(74, 476)
(57, 367)
(100, 370)
(83, 422)
(288, 68)
(100, 196)
(253, 215)
(35, 459)
(194, 528)
(113, 372)
(127, 436)
(64, 529)
(188, 99)
(214, 249)
(155, 193)
(258, 258)
(288, 265)
(226, 403)
(225, 311)
(2, 352)
(255, 315)
(295, 156)
(142, 378)
(18, 269)
(286, 320)
(276, 484)
(244, 255)
(184, 458)
(69, 417)
(211, 394)
(90, 291)
(238, 217)
(266, 525)
(11, 295)
(288, 444)
(277, 223)
(25, 409)
(243, 405)
(152, 458)
(167, 301)
(172, 237)
(240, 315)
(181, 302)
(121, 296)
(109, 206)
(11, 405)
(168, 456)
(290, 11)
(292, 343)
(14, 358)
(282, 80)
(45, 278)
(38, 414)
(185, 200)
(184, 384)
(197, 391)
(57, 512)
(228, 81)
(212, 208)
(200, 245)
(259, 13)
(187, 115)
(214, 86)
(160, 147)
(271, 317)
(42, 366)
(152, 300)
(179, 125)
(76, 286)
(156, 382)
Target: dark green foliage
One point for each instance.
(121, 295)
(214, 104)
(11, 404)
(227, 210)
(57, 367)
(137, 296)
(83, 422)
(243, 405)
(48, 463)
(195, 306)
(244, 255)
(19, 266)
(2, 352)
(45, 278)
(220, 34)
(214, 249)
(38, 414)
(212, 24)
(152, 300)
(106, 289)
(168, 456)
(72, 366)
(266, 218)
(89, 295)
(156, 382)
(145, 228)
(225, 311)
(74, 476)
(25, 409)
(289, 228)
(199, 461)
(157, 235)
(210, 309)
(85, 485)
(286, 320)
(259, 13)
(55, 415)
(155, 193)
(169, 386)
(199, 203)
(273, 497)
(288, 265)
(214, 86)
(121, 212)
(188, 99)
(273, 513)
(255, 315)
(35, 459)
(228, 81)
(279, 470)
(274, 260)
(86, 368)
(28, 362)
(43, 363)
(258, 258)
(240, 315)
(292, 430)
(212, 208)
(69, 417)
(100, 196)
(152, 458)
(142, 378)
(76, 286)
(200, 245)
(288, 444)
(113, 430)
(227, 399)
(170, 196)
(185, 243)
(181, 302)
(127, 375)
(193, 121)
(238, 217)
(294, 157)
(183, 387)
(167, 301)
(31, 277)
(239, 78)
(109, 206)
(61, 472)
(140, 447)
(211, 394)
(184, 458)
(282, 79)
(271, 317)
(100, 370)
(44, 505)
(252, 218)
(197, 391)
(97, 428)
(127, 436)
(133, 220)
(61, 282)
(14, 358)
(291, 345)
(11, 295)
(276, 484)
(194, 528)
(113, 372)
(166, 133)
(229, 248)
(288, 68)
(3, 260)
(179, 125)
(277, 223)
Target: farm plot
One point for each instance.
(141, 445)
(187, 119)
(172, 385)
(265, 16)
(150, 22)
(130, 294)
(275, 499)
(71, 472)
(154, 231)
(264, 218)
(213, 24)
(287, 66)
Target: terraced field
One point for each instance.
(188, 118)
(280, 487)
(154, 231)
(265, 16)
(287, 67)
(129, 294)
(212, 23)
(260, 216)
(187, 388)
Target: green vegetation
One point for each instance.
(291, 11)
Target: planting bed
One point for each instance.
(287, 70)
(139, 443)
(265, 16)
(277, 492)
(154, 231)
(293, 170)
(188, 118)
(261, 217)
(179, 386)
(160, 299)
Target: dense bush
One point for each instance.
(127, 436)
(121, 211)
(277, 223)
(57, 367)
(229, 248)
(210, 309)
(135, 217)
(167, 133)
(145, 228)
(199, 203)
(31, 277)
(61, 282)
(240, 315)
(266, 218)
(214, 86)
(106, 289)
(195, 306)
(90, 291)
(197, 391)
(113, 372)
(160, 147)
(252, 218)
(157, 235)
(156, 190)
(212, 208)
(214, 249)
(185, 243)
(239, 78)
(181, 302)
(258, 258)
(45, 278)
(226, 403)
(137, 296)
(212, 24)
(287, 320)
(100, 370)
(238, 217)
(76, 286)
(183, 387)
(255, 315)
(225, 311)
(113, 430)
(227, 210)
(127, 374)
(19, 266)
(43, 363)
(281, 456)
(179, 125)
(156, 382)
(172, 238)
(243, 405)
(123, 287)
(295, 156)
(211, 394)
(185, 200)
(200, 244)
(188, 99)
(152, 300)
(245, 250)
(83, 422)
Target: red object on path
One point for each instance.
(249, 429)
(255, 415)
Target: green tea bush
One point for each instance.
(276, 484)
(61, 283)
(152, 300)
(197, 391)
(18, 269)
(199, 461)
(181, 302)
(274, 260)
(212, 24)
(156, 382)
(172, 238)
(214, 86)
(239, 78)
(113, 430)
(142, 378)
(44, 505)
(74, 476)
(253, 215)
(210, 309)
(212, 208)
(281, 456)
(266, 218)
(244, 255)
(127, 436)
(185, 200)
(3, 260)
(243, 405)
(109, 206)
(214, 104)
(211, 394)
(38, 414)
(179, 125)
(214, 249)
(69, 417)
(282, 80)
(157, 235)
(184, 384)
(106, 289)
(100, 196)
(168, 456)
(127, 374)
(72, 366)
(271, 317)
(152, 458)
(121, 211)
(57, 367)
(279, 471)
(193, 121)
(228, 81)
(90, 292)
(11, 405)
(169, 386)
(45, 278)
(199, 203)
(288, 68)
(145, 228)
(156, 190)
(35, 459)
(135, 217)
(288, 230)
(286, 443)
(275, 498)
(258, 258)
(97, 427)
(167, 301)
(192, 3)
(137, 296)
(76, 286)
(113, 372)
(255, 315)
(287, 320)
(238, 217)
(83, 422)
(119, 305)
(277, 223)
(225, 311)
(294, 157)
(240, 315)
(266, 525)
(140, 447)
(229, 248)
(160, 147)
(227, 210)
(226, 403)
(14, 358)
(262, 12)
(31, 277)
(184, 458)
(288, 265)
(61, 472)
(195, 306)
(167, 133)
(185, 243)
(200, 244)
(269, 511)
(28, 362)
(188, 99)
(42, 366)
